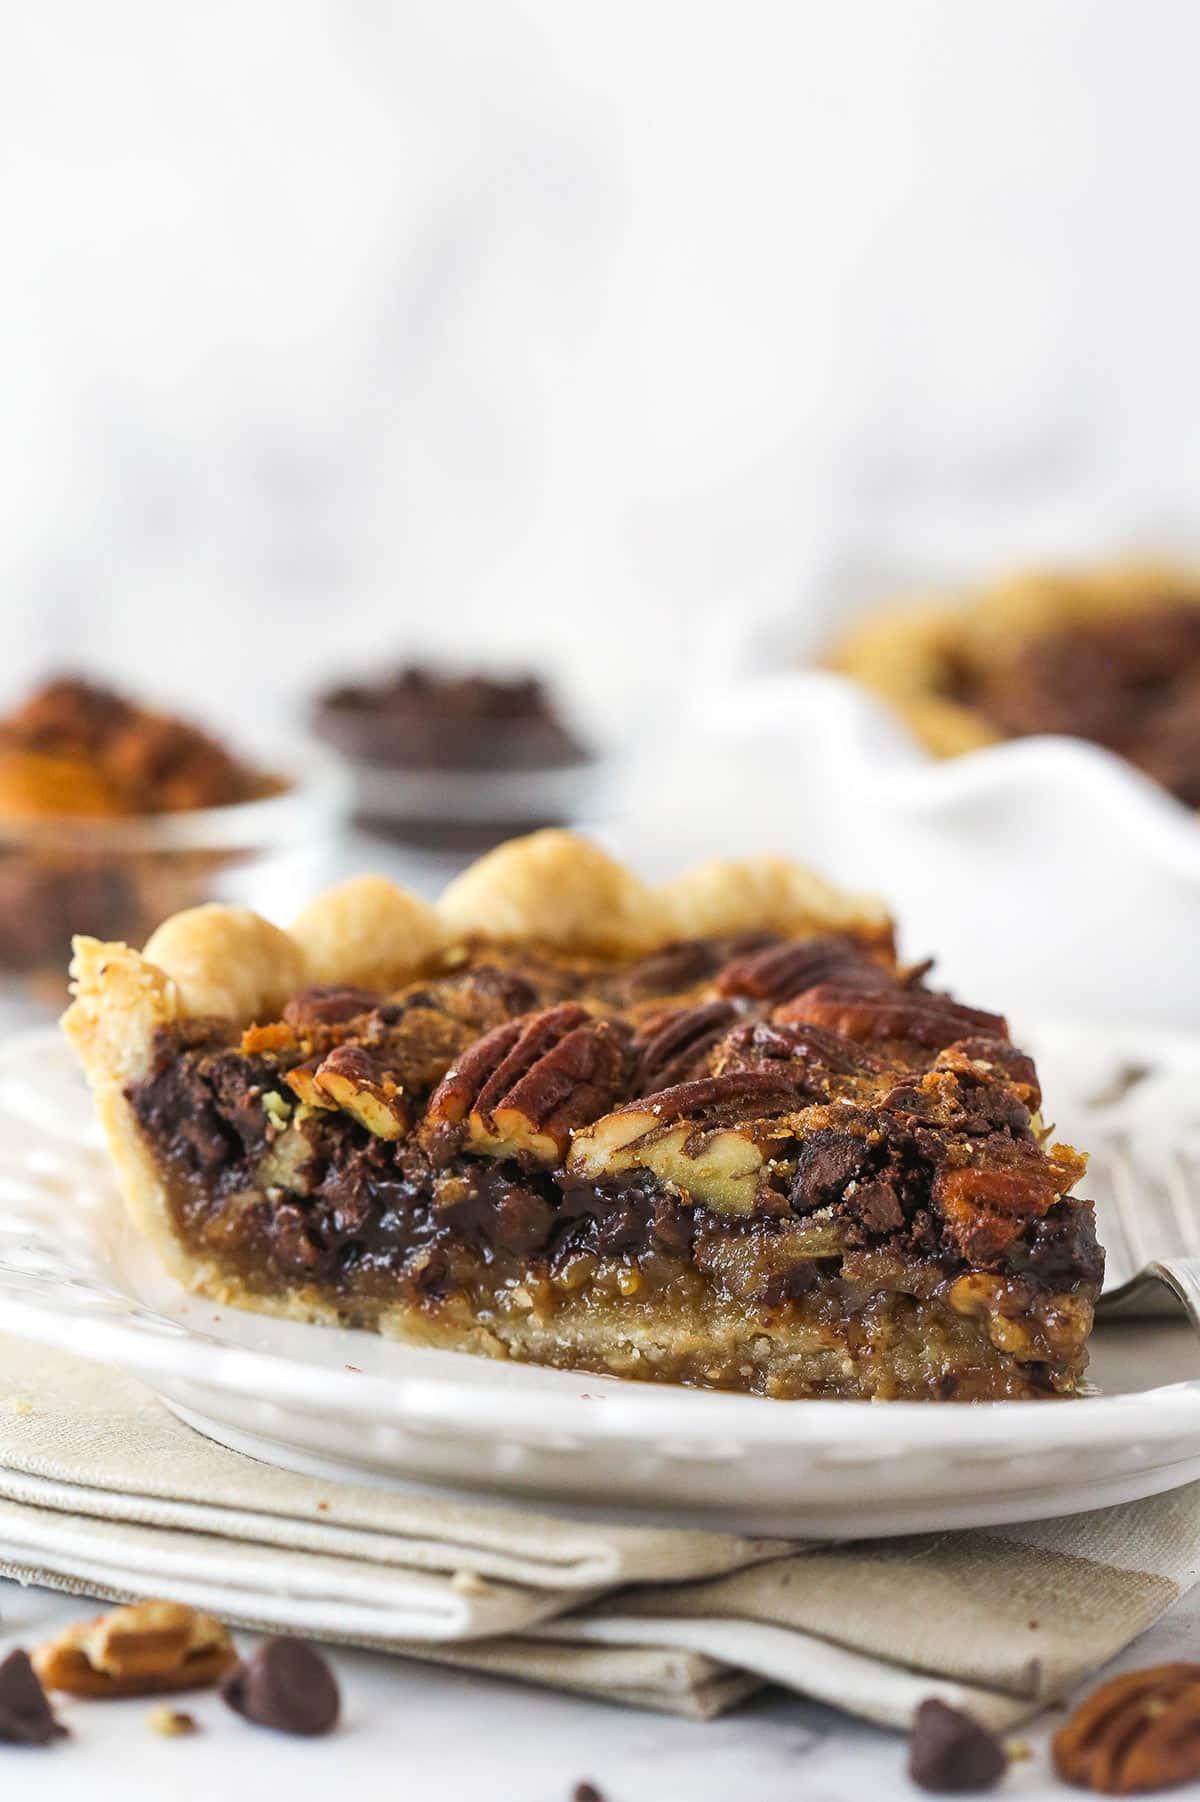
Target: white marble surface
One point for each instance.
(413, 1732)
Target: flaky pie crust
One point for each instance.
(552, 887)
(906, 652)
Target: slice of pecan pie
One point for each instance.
(710, 1133)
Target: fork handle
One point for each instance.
(1161, 1289)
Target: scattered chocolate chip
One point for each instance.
(949, 1750)
(587, 1792)
(285, 1685)
(26, 1718)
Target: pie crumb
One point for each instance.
(170, 1723)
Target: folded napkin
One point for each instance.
(103, 1492)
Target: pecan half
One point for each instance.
(148, 1648)
(672, 969)
(864, 1012)
(329, 1004)
(302, 1081)
(993, 1057)
(1139, 1732)
(746, 1094)
(708, 1139)
(669, 1046)
(564, 1070)
(824, 1053)
(444, 1128)
(357, 1082)
(720, 1167)
(782, 971)
(986, 1206)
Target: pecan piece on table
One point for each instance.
(357, 1082)
(1139, 1732)
(865, 1012)
(147, 1648)
(782, 971)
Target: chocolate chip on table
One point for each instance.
(949, 1751)
(285, 1685)
(586, 1792)
(26, 1718)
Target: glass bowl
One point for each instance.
(117, 878)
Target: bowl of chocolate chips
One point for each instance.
(457, 760)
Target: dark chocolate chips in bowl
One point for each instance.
(452, 761)
(286, 1685)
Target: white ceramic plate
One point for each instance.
(349, 1404)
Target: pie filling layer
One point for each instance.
(780, 1166)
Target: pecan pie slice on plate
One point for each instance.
(710, 1133)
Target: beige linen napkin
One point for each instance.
(104, 1493)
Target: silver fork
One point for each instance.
(1149, 1221)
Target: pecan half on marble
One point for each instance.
(866, 1013)
(147, 1648)
(1139, 1732)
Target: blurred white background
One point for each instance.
(563, 330)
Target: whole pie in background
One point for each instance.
(713, 1132)
(1111, 655)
